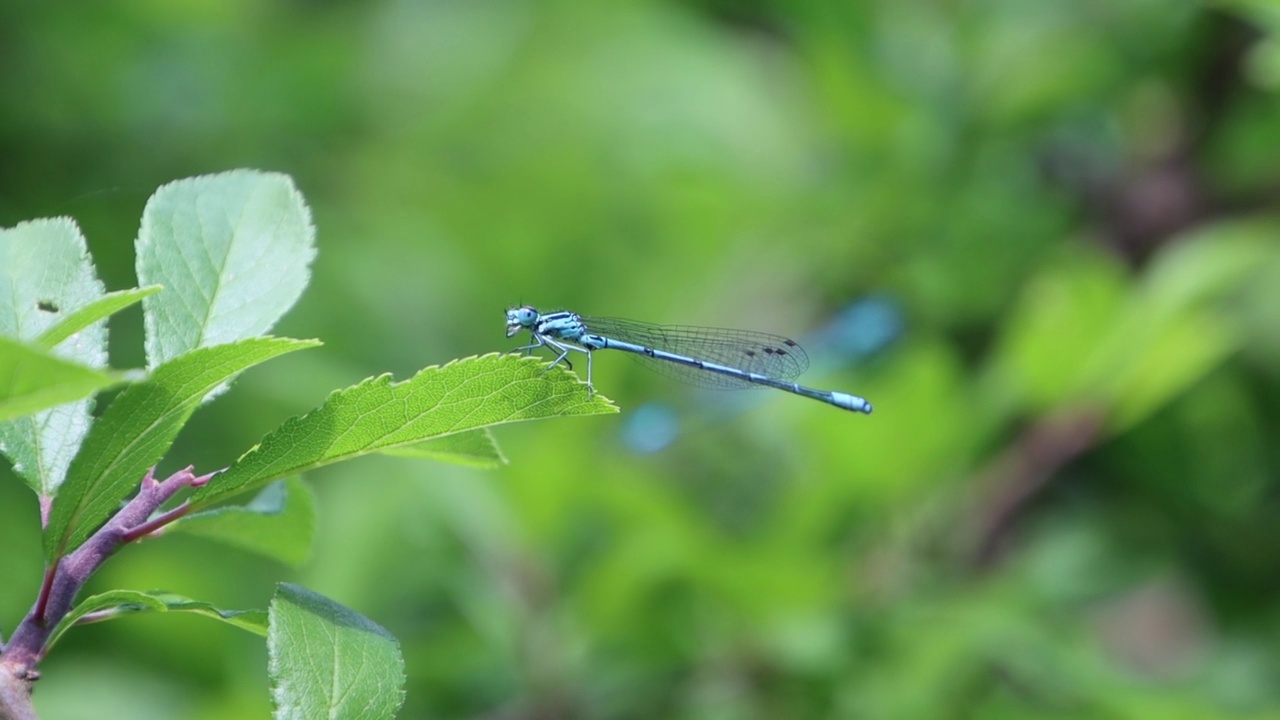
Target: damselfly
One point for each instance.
(709, 357)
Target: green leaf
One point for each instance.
(278, 523)
(1083, 333)
(1185, 350)
(32, 380)
(100, 309)
(46, 274)
(137, 429)
(378, 415)
(1063, 313)
(232, 251)
(113, 604)
(328, 661)
(1169, 335)
(475, 448)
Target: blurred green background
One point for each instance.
(1043, 238)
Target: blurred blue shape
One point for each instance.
(862, 328)
(650, 428)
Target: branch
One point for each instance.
(15, 693)
(1024, 470)
(63, 582)
(153, 525)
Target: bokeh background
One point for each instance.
(1043, 238)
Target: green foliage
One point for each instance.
(31, 381)
(278, 523)
(138, 428)
(1061, 215)
(475, 448)
(100, 309)
(1086, 335)
(328, 661)
(234, 250)
(379, 415)
(45, 276)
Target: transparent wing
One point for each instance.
(754, 352)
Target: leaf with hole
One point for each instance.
(46, 276)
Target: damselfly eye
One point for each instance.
(522, 317)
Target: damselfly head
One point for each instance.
(521, 318)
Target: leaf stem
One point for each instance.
(155, 523)
(42, 600)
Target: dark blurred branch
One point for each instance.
(1160, 188)
(1023, 470)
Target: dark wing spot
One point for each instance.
(780, 351)
(769, 351)
(751, 353)
(48, 306)
(789, 343)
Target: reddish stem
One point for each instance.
(155, 523)
(42, 601)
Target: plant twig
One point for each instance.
(15, 693)
(68, 575)
(155, 523)
(152, 526)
